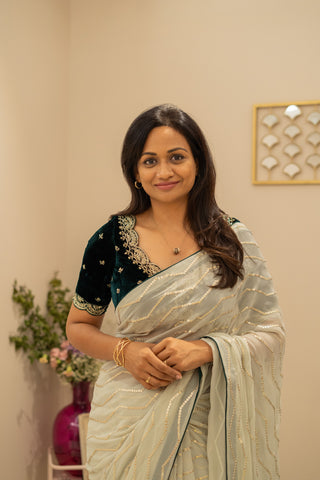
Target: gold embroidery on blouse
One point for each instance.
(130, 240)
(82, 304)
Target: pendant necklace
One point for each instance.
(175, 250)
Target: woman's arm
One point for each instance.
(83, 332)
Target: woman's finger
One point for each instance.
(158, 348)
(167, 347)
(163, 368)
(141, 362)
(153, 383)
(164, 357)
(167, 360)
(154, 372)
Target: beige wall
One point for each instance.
(33, 113)
(215, 59)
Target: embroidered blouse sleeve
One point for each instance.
(93, 292)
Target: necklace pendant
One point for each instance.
(176, 250)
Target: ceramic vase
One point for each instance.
(66, 442)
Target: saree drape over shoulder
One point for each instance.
(221, 421)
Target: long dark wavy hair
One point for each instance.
(207, 222)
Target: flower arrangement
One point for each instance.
(43, 337)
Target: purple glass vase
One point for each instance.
(66, 442)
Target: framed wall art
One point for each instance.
(286, 143)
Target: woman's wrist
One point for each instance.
(205, 351)
(118, 352)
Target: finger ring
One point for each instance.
(148, 380)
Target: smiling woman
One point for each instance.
(167, 173)
(166, 165)
(190, 386)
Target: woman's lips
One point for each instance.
(166, 185)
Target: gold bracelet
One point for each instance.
(118, 353)
(123, 345)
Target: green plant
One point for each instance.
(43, 337)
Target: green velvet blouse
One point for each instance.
(112, 265)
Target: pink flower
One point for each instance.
(65, 344)
(54, 356)
(54, 352)
(63, 355)
(53, 362)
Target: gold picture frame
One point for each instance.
(286, 143)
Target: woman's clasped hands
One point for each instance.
(158, 365)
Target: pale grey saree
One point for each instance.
(220, 421)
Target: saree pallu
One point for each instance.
(220, 421)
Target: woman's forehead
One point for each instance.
(165, 137)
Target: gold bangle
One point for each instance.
(118, 353)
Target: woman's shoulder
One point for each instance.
(239, 228)
(105, 235)
(104, 231)
(244, 234)
(111, 230)
(230, 220)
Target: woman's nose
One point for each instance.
(164, 170)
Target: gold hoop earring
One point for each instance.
(138, 185)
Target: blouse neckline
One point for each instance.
(130, 240)
(136, 254)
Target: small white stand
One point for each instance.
(52, 467)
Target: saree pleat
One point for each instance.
(218, 422)
(191, 461)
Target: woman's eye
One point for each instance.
(177, 157)
(149, 162)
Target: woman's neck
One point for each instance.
(168, 215)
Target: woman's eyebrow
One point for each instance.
(148, 153)
(177, 148)
(169, 151)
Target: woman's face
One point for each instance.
(166, 168)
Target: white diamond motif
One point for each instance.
(291, 170)
(270, 140)
(292, 112)
(314, 118)
(291, 150)
(270, 120)
(269, 162)
(314, 138)
(292, 131)
(313, 160)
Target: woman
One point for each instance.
(190, 386)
